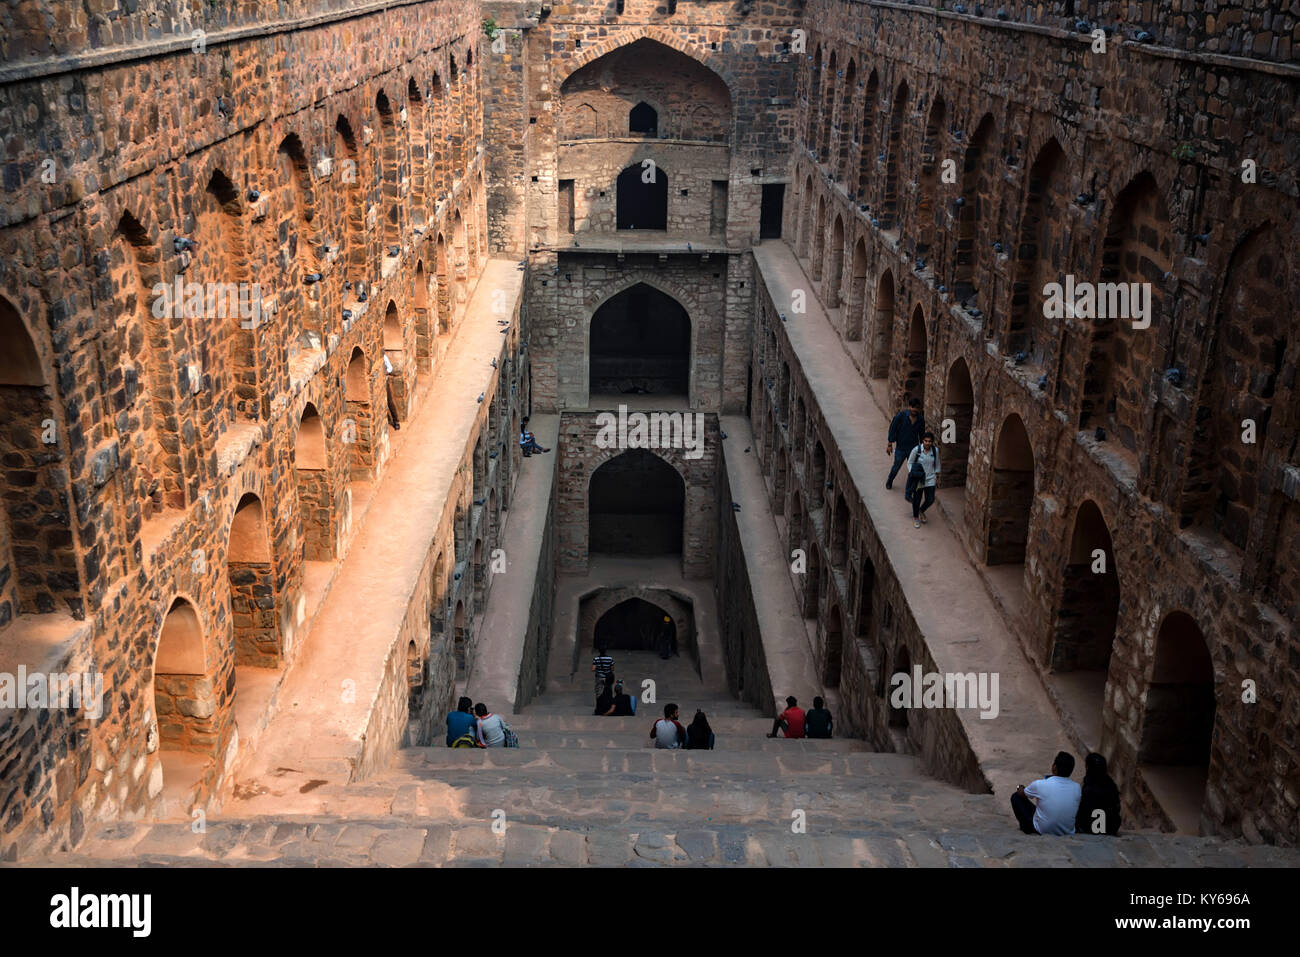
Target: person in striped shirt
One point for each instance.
(603, 666)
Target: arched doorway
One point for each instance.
(899, 703)
(635, 625)
(857, 305)
(959, 409)
(1011, 495)
(315, 496)
(636, 505)
(1178, 721)
(642, 197)
(640, 344)
(914, 360)
(643, 120)
(882, 333)
(460, 639)
(834, 646)
(186, 701)
(1086, 617)
(38, 561)
(252, 587)
(357, 426)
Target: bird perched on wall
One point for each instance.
(480, 396)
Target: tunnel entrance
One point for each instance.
(640, 344)
(636, 506)
(636, 625)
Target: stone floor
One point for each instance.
(587, 790)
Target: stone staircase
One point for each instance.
(588, 790)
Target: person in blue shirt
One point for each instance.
(461, 721)
(905, 433)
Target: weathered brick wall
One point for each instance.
(166, 420)
(580, 457)
(744, 55)
(739, 627)
(865, 629)
(1094, 182)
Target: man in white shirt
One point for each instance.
(668, 731)
(1049, 805)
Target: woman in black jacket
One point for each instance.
(1099, 794)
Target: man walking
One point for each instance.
(905, 433)
(603, 666)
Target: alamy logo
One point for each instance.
(952, 690)
(1103, 300)
(210, 300)
(75, 909)
(57, 690)
(658, 430)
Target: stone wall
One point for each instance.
(865, 631)
(570, 55)
(937, 284)
(739, 627)
(580, 457)
(156, 161)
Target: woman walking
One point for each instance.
(922, 477)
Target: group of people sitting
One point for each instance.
(794, 722)
(474, 726)
(669, 734)
(1057, 805)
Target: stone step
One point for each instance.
(586, 723)
(868, 767)
(639, 737)
(410, 840)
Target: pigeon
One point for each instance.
(690, 248)
(735, 506)
(1020, 357)
(1100, 434)
(747, 450)
(182, 244)
(480, 396)
(724, 435)
(253, 195)
(1174, 375)
(312, 277)
(1145, 36)
(494, 363)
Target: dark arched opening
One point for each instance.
(635, 625)
(636, 506)
(642, 197)
(640, 344)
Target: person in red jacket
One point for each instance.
(791, 720)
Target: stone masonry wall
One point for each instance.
(161, 159)
(1064, 167)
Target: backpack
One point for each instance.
(466, 740)
(512, 739)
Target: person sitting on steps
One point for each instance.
(491, 729)
(605, 703)
(624, 704)
(1057, 800)
(1099, 810)
(668, 732)
(528, 441)
(461, 722)
(791, 720)
(817, 722)
(699, 736)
